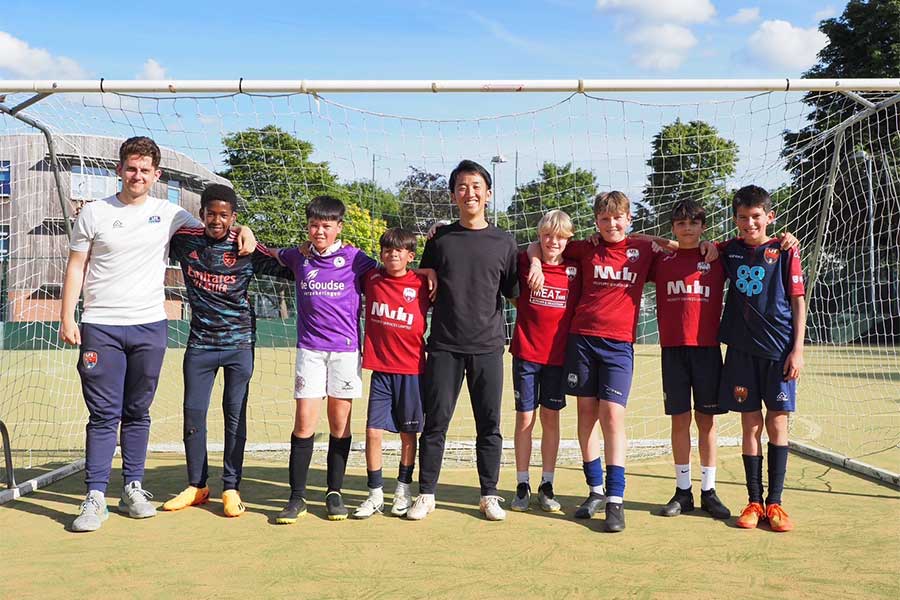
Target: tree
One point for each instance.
(362, 229)
(382, 203)
(424, 198)
(689, 161)
(557, 186)
(272, 171)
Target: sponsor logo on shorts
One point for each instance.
(346, 385)
(299, 384)
(771, 255)
(117, 224)
(633, 254)
(781, 397)
(572, 379)
(229, 259)
(409, 294)
(740, 394)
(611, 391)
(703, 266)
(154, 219)
(89, 359)
(339, 261)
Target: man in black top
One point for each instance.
(476, 267)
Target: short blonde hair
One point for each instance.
(614, 202)
(556, 222)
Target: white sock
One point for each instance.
(376, 493)
(547, 476)
(596, 489)
(707, 478)
(403, 486)
(521, 476)
(683, 476)
(614, 500)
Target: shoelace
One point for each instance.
(140, 492)
(90, 500)
(494, 499)
(777, 512)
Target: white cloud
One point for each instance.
(152, 70)
(21, 60)
(745, 15)
(782, 45)
(667, 11)
(661, 47)
(825, 13)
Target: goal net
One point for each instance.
(830, 160)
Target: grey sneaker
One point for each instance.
(92, 512)
(523, 498)
(402, 500)
(546, 498)
(421, 508)
(134, 501)
(374, 504)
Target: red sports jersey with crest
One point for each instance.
(613, 277)
(395, 322)
(689, 294)
(543, 316)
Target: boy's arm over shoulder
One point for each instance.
(363, 263)
(578, 249)
(265, 262)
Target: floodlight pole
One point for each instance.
(496, 160)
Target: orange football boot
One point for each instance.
(751, 516)
(778, 519)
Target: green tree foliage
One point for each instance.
(424, 198)
(689, 161)
(362, 229)
(556, 186)
(382, 203)
(272, 171)
(864, 41)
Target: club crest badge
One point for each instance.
(89, 359)
(573, 379)
(703, 266)
(117, 224)
(154, 219)
(633, 254)
(229, 259)
(409, 294)
(571, 272)
(771, 255)
(740, 394)
(339, 261)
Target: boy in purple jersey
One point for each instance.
(329, 285)
(763, 324)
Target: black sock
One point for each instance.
(374, 479)
(405, 473)
(753, 473)
(338, 452)
(778, 456)
(298, 467)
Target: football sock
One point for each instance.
(298, 466)
(778, 456)
(615, 483)
(707, 478)
(374, 480)
(405, 473)
(338, 452)
(593, 475)
(547, 476)
(521, 476)
(682, 476)
(753, 473)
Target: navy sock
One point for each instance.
(298, 467)
(405, 473)
(615, 481)
(374, 480)
(338, 452)
(778, 456)
(593, 472)
(753, 473)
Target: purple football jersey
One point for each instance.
(328, 297)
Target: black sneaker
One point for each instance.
(590, 506)
(296, 507)
(615, 518)
(523, 497)
(681, 502)
(334, 506)
(710, 502)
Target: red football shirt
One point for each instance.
(613, 277)
(543, 317)
(395, 322)
(689, 295)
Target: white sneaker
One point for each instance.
(135, 502)
(420, 509)
(402, 499)
(91, 513)
(371, 505)
(490, 506)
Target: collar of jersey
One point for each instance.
(329, 250)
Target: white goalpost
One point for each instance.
(827, 150)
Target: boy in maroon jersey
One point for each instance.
(538, 349)
(397, 302)
(689, 294)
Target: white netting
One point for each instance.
(281, 150)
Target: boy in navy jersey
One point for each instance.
(538, 348)
(397, 303)
(329, 285)
(223, 332)
(689, 294)
(764, 324)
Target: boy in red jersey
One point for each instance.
(538, 349)
(689, 294)
(397, 303)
